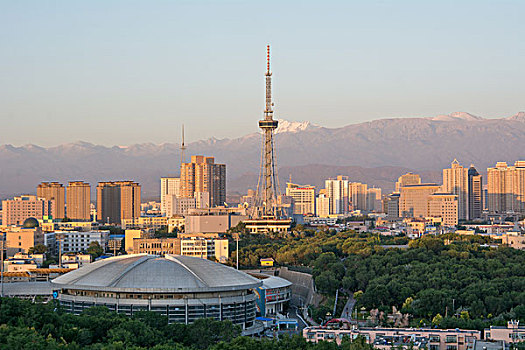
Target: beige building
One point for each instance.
(444, 206)
(205, 248)
(169, 186)
(78, 201)
(322, 205)
(156, 246)
(202, 174)
(53, 191)
(145, 223)
(303, 198)
(118, 200)
(21, 239)
(413, 199)
(179, 205)
(513, 333)
(506, 188)
(455, 181)
(407, 179)
(15, 211)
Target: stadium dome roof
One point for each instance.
(156, 274)
(30, 223)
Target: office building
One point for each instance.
(169, 186)
(475, 194)
(337, 191)
(118, 200)
(303, 198)
(202, 174)
(413, 199)
(78, 201)
(455, 181)
(15, 211)
(53, 191)
(444, 206)
(506, 188)
(407, 179)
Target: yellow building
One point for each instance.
(267, 262)
(129, 236)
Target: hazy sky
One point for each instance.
(124, 72)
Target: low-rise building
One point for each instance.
(387, 338)
(513, 333)
(75, 260)
(146, 223)
(79, 241)
(273, 296)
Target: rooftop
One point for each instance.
(153, 273)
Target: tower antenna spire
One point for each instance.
(182, 147)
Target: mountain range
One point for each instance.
(375, 152)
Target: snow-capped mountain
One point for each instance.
(375, 152)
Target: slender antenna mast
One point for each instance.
(182, 148)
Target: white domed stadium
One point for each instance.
(182, 288)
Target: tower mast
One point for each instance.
(266, 189)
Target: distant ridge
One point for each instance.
(379, 149)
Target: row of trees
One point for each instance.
(26, 325)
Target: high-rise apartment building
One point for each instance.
(78, 201)
(15, 211)
(455, 181)
(407, 179)
(322, 204)
(204, 175)
(337, 191)
(118, 200)
(506, 188)
(357, 193)
(475, 194)
(374, 199)
(413, 199)
(169, 186)
(303, 198)
(53, 191)
(392, 206)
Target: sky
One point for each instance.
(126, 72)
